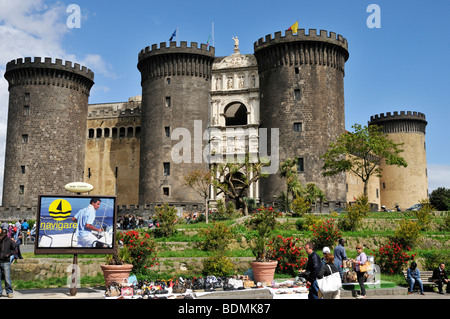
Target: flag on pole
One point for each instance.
(174, 34)
(207, 42)
(294, 27)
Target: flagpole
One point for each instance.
(178, 36)
(213, 44)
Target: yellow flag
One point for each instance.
(294, 27)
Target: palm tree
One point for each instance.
(288, 170)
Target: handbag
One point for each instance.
(365, 267)
(330, 283)
(126, 291)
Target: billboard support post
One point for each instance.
(73, 283)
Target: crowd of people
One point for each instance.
(130, 221)
(317, 268)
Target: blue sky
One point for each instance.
(402, 66)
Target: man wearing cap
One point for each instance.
(325, 251)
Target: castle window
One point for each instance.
(26, 110)
(130, 132)
(168, 101)
(300, 165)
(297, 70)
(99, 132)
(235, 114)
(89, 172)
(137, 132)
(24, 138)
(166, 191)
(297, 94)
(21, 189)
(91, 133)
(122, 132)
(27, 97)
(106, 132)
(298, 127)
(168, 80)
(166, 169)
(167, 131)
(384, 185)
(114, 132)
(22, 169)
(116, 173)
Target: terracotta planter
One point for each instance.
(263, 271)
(116, 273)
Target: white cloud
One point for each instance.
(96, 62)
(35, 28)
(438, 176)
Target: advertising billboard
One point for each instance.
(75, 224)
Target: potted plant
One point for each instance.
(117, 267)
(138, 253)
(263, 267)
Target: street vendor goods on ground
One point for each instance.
(196, 287)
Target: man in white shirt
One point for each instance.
(85, 219)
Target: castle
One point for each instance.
(286, 100)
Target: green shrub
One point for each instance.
(446, 222)
(407, 233)
(218, 266)
(424, 214)
(300, 206)
(356, 213)
(216, 238)
(309, 221)
(165, 217)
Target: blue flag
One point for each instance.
(174, 34)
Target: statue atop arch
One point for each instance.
(236, 44)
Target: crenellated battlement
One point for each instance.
(48, 63)
(322, 48)
(398, 122)
(154, 49)
(111, 113)
(301, 36)
(173, 60)
(410, 115)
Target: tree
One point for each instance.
(234, 178)
(362, 152)
(440, 199)
(200, 180)
(314, 194)
(288, 170)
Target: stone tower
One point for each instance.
(46, 133)
(404, 186)
(302, 94)
(176, 83)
